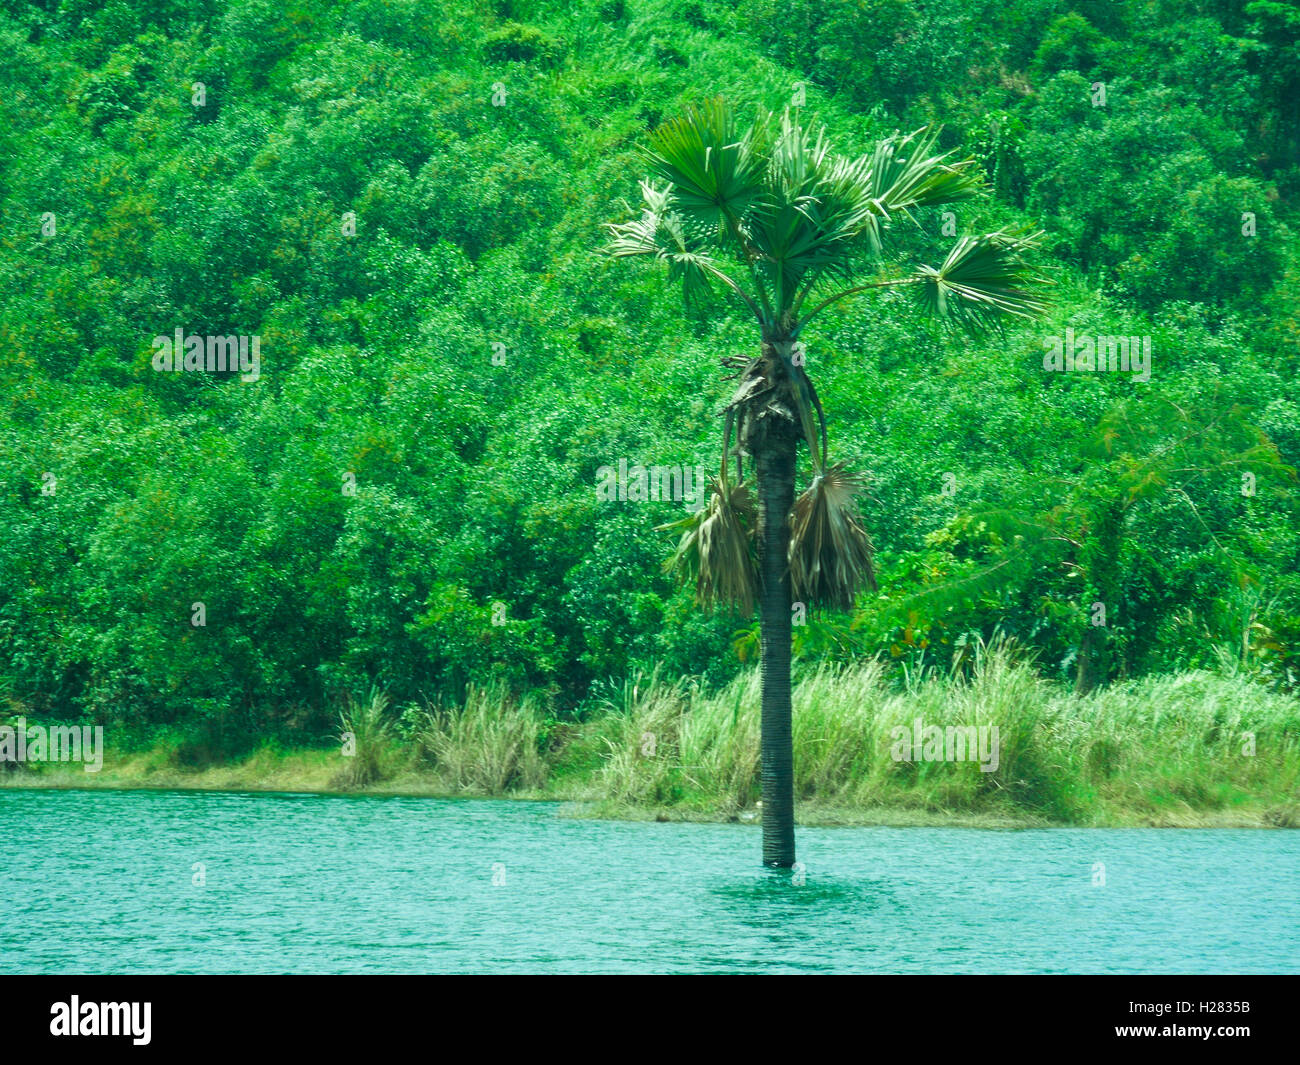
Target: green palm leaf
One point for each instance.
(906, 172)
(983, 280)
(661, 232)
(815, 207)
(713, 170)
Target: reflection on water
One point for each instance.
(202, 882)
(774, 898)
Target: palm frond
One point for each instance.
(907, 172)
(717, 550)
(831, 555)
(984, 280)
(713, 170)
(823, 210)
(815, 207)
(660, 232)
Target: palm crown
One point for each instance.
(781, 223)
(777, 219)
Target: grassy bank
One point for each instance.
(1173, 750)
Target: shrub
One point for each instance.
(369, 729)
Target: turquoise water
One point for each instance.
(103, 882)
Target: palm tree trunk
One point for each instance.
(1101, 559)
(774, 450)
(1092, 666)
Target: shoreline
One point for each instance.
(299, 773)
(1190, 750)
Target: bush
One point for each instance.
(491, 745)
(518, 43)
(369, 730)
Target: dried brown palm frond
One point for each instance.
(717, 550)
(830, 551)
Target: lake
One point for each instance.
(193, 882)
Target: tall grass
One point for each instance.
(671, 745)
(1156, 746)
(490, 745)
(370, 729)
(1161, 750)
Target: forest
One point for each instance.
(322, 390)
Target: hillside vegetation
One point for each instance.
(402, 202)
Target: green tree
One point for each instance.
(784, 227)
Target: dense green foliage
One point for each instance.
(405, 497)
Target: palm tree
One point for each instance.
(779, 224)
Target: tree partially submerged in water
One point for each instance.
(768, 216)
